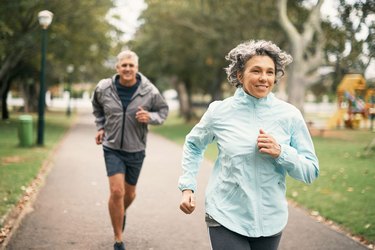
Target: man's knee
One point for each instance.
(130, 194)
(117, 192)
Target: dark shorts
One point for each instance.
(122, 162)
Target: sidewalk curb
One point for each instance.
(332, 225)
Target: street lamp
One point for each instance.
(69, 70)
(45, 19)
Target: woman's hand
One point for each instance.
(187, 204)
(268, 145)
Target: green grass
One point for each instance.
(344, 192)
(19, 166)
(175, 129)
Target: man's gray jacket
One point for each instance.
(122, 130)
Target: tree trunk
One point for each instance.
(296, 83)
(4, 96)
(302, 73)
(5, 81)
(184, 100)
(296, 89)
(30, 94)
(215, 90)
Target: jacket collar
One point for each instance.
(144, 86)
(244, 98)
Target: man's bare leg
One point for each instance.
(116, 204)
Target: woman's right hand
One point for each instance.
(187, 204)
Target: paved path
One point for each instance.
(70, 211)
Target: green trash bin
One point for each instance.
(25, 130)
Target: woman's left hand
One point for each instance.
(268, 145)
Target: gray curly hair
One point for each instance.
(246, 50)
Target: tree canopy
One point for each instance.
(182, 44)
(187, 40)
(79, 36)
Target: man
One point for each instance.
(123, 107)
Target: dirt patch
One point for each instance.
(344, 134)
(326, 133)
(11, 159)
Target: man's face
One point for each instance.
(127, 69)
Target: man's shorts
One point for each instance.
(127, 163)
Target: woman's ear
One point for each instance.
(239, 76)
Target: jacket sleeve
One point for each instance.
(160, 109)
(299, 157)
(98, 111)
(195, 144)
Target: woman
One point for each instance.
(260, 140)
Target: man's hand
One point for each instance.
(99, 137)
(268, 145)
(187, 204)
(142, 116)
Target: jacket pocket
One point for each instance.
(225, 193)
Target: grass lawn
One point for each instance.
(344, 192)
(20, 165)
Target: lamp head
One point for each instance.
(45, 18)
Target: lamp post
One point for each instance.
(69, 70)
(45, 19)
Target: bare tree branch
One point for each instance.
(312, 24)
(286, 24)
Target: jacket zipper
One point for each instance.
(124, 119)
(123, 127)
(123, 114)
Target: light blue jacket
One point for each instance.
(246, 190)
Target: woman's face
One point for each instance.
(258, 77)
(127, 69)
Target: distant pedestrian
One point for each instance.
(260, 141)
(123, 106)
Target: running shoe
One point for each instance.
(119, 246)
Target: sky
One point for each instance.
(129, 10)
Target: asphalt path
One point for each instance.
(70, 211)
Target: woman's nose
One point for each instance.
(263, 77)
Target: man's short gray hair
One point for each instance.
(127, 54)
(246, 50)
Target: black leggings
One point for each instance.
(224, 239)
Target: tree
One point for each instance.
(358, 34)
(349, 46)
(307, 51)
(79, 35)
(187, 41)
